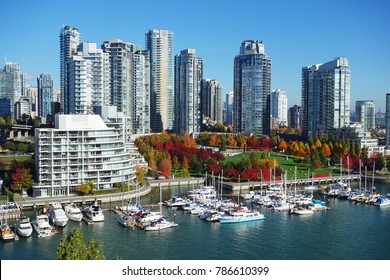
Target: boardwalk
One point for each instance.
(253, 185)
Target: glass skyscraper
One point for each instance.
(45, 95)
(325, 96)
(188, 86)
(252, 88)
(160, 45)
(387, 120)
(365, 114)
(10, 88)
(211, 100)
(279, 107)
(69, 41)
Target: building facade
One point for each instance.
(160, 45)
(294, 117)
(69, 41)
(120, 56)
(279, 107)
(10, 88)
(325, 96)
(188, 86)
(211, 100)
(140, 73)
(229, 108)
(80, 149)
(88, 79)
(387, 119)
(252, 88)
(365, 114)
(45, 95)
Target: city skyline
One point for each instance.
(295, 34)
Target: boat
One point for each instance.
(176, 201)
(213, 216)
(382, 201)
(23, 226)
(302, 211)
(73, 212)
(6, 232)
(239, 215)
(57, 215)
(125, 220)
(94, 212)
(162, 223)
(42, 226)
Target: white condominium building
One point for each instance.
(80, 149)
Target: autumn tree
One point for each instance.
(140, 174)
(230, 142)
(282, 145)
(189, 142)
(325, 150)
(21, 179)
(165, 167)
(213, 167)
(72, 247)
(214, 140)
(85, 188)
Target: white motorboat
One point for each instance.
(382, 201)
(73, 212)
(125, 220)
(303, 211)
(159, 225)
(213, 216)
(57, 215)
(240, 215)
(94, 212)
(148, 217)
(176, 201)
(42, 226)
(6, 232)
(23, 226)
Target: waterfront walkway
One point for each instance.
(38, 202)
(254, 185)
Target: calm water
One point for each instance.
(347, 231)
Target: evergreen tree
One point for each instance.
(72, 247)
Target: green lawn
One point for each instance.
(286, 164)
(10, 159)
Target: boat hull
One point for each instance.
(227, 220)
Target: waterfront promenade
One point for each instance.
(38, 202)
(196, 182)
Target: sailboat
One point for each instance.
(161, 223)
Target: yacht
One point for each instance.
(302, 211)
(239, 215)
(159, 225)
(6, 232)
(213, 216)
(23, 226)
(176, 201)
(125, 219)
(382, 201)
(57, 215)
(94, 212)
(42, 226)
(73, 212)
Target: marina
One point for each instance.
(348, 230)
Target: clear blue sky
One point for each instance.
(295, 34)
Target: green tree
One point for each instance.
(222, 146)
(72, 247)
(21, 147)
(380, 162)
